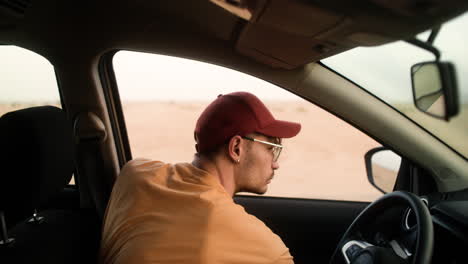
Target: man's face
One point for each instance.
(256, 168)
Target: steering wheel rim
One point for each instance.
(425, 232)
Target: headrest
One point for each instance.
(36, 158)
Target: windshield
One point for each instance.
(385, 72)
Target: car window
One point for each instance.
(163, 96)
(385, 72)
(27, 80)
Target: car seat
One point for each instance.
(37, 160)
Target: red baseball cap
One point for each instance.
(238, 113)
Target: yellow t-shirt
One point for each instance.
(163, 213)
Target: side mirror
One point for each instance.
(435, 88)
(382, 166)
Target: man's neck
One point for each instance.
(220, 169)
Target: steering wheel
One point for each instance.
(354, 248)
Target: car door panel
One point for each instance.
(310, 228)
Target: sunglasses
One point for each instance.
(276, 150)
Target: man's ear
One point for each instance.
(235, 148)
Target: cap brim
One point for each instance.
(281, 129)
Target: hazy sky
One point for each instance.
(142, 76)
(28, 77)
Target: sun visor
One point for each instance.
(290, 33)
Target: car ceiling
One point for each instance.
(281, 33)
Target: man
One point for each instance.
(184, 213)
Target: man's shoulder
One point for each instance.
(141, 166)
(143, 163)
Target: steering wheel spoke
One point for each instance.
(352, 248)
(400, 250)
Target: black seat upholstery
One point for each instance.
(36, 155)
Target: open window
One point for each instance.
(163, 96)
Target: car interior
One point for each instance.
(422, 218)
